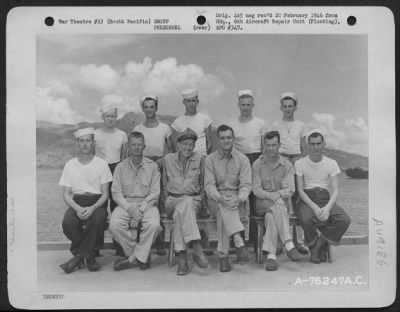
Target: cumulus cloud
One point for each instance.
(101, 78)
(59, 89)
(54, 109)
(124, 104)
(326, 122)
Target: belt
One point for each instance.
(287, 155)
(317, 189)
(181, 195)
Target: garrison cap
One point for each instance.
(187, 134)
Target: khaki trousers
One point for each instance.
(183, 210)
(276, 225)
(228, 223)
(123, 229)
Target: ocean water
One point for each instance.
(353, 197)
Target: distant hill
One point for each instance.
(55, 143)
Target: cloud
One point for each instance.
(99, 78)
(124, 104)
(59, 89)
(53, 109)
(326, 122)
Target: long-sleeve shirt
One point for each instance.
(139, 182)
(180, 180)
(269, 177)
(227, 173)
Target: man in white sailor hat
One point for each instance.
(323, 221)
(249, 131)
(293, 146)
(198, 122)
(85, 180)
(110, 146)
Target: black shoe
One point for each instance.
(183, 266)
(316, 250)
(145, 265)
(242, 254)
(92, 265)
(293, 255)
(72, 264)
(161, 252)
(124, 264)
(272, 265)
(200, 260)
(302, 249)
(323, 253)
(224, 265)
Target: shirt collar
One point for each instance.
(281, 161)
(222, 155)
(139, 166)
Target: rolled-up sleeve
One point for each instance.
(209, 180)
(244, 178)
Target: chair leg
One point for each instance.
(259, 243)
(329, 253)
(171, 252)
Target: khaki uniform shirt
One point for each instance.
(227, 173)
(141, 182)
(269, 177)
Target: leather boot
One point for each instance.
(224, 265)
(92, 265)
(71, 264)
(242, 254)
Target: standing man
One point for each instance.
(158, 143)
(183, 179)
(136, 189)
(273, 185)
(156, 133)
(316, 174)
(293, 146)
(110, 146)
(85, 182)
(249, 131)
(200, 123)
(228, 182)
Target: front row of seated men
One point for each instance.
(227, 179)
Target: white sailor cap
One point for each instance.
(148, 97)
(319, 131)
(82, 132)
(189, 93)
(108, 107)
(245, 93)
(289, 95)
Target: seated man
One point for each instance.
(136, 189)
(85, 182)
(228, 182)
(273, 185)
(183, 179)
(318, 208)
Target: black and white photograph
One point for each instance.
(178, 164)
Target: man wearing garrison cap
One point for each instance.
(198, 122)
(183, 179)
(85, 181)
(248, 139)
(110, 146)
(293, 146)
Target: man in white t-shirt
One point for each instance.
(198, 122)
(158, 143)
(249, 131)
(110, 146)
(156, 133)
(316, 174)
(293, 146)
(85, 181)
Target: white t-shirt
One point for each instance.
(109, 144)
(248, 134)
(198, 123)
(291, 133)
(86, 178)
(154, 138)
(316, 174)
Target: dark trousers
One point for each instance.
(332, 229)
(84, 235)
(113, 204)
(252, 202)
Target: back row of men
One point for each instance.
(223, 181)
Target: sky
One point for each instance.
(77, 74)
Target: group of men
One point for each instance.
(273, 170)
